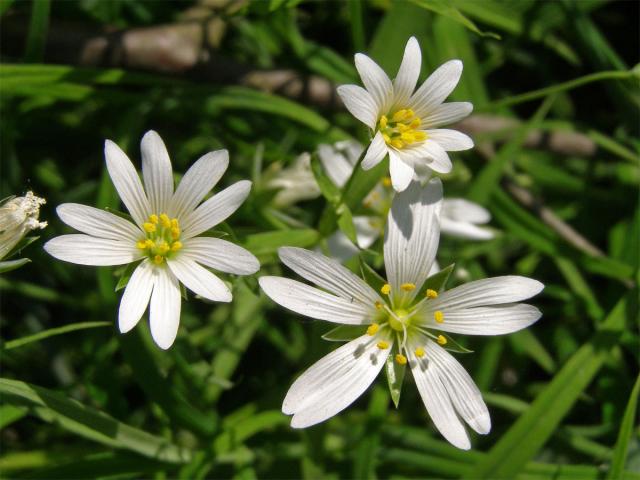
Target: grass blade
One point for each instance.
(19, 342)
(624, 435)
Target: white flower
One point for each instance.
(459, 218)
(403, 122)
(164, 235)
(403, 317)
(294, 183)
(18, 216)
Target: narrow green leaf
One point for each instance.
(357, 25)
(36, 337)
(527, 342)
(13, 264)
(624, 434)
(344, 333)
(444, 8)
(38, 27)
(370, 276)
(329, 190)
(11, 413)
(345, 223)
(88, 422)
(267, 243)
(531, 431)
(125, 276)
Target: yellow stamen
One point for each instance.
(382, 345)
(149, 243)
(408, 287)
(142, 244)
(431, 293)
(165, 220)
(383, 121)
(379, 305)
(397, 143)
(174, 223)
(175, 246)
(153, 218)
(175, 233)
(419, 136)
(442, 340)
(387, 138)
(401, 359)
(386, 289)
(372, 329)
(408, 137)
(438, 316)
(163, 248)
(158, 259)
(415, 123)
(419, 352)
(386, 181)
(399, 115)
(149, 227)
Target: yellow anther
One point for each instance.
(431, 293)
(442, 340)
(149, 227)
(175, 246)
(438, 316)
(158, 259)
(372, 329)
(174, 223)
(163, 248)
(415, 123)
(419, 352)
(379, 305)
(408, 137)
(142, 244)
(386, 181)
(175, 233)
(387, 138)
(149, 243)
(408, 287)
(397, 143)
(153, 218)
(383, 121)
(399, 115)
(165, 220)
(419, 136)
(386, 289)
(401, 359)
(382, 345)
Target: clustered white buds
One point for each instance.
(19, 216)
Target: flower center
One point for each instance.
(399, 321)
(401, 128)
(162, 237)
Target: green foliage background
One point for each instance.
(79, 400)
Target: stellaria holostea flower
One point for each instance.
(403, 122)
(18, 216)
(164, 235)
(403, 319)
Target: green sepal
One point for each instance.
(13, 264)
(371, 277)
(395, 375)
(437, 281)
(125, 276)
(453, 346)
(329, 190)
(345, 223)
(344, 333)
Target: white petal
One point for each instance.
(136, 296)
(335, 164)
(375, 153)
(436, 88)
(127, 182)
(463, 392)
(156, 171)
(375, 81)
(164, 312)
(87, 250)
(405, 81)
(464, 230)
(199, 280)
(401, 172)
(328, 274)
(360, 103)
(314, 303)
(98, 223)
(220, 255)
(461, 210)
(334, 382)
(437, 401)
(340, 247)
(489, 291)
(438, 159)
(368, 229)
(412, 235)
(197, 182)
(450, 140)
(447, 113)
(497, 320)
(216, 209)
